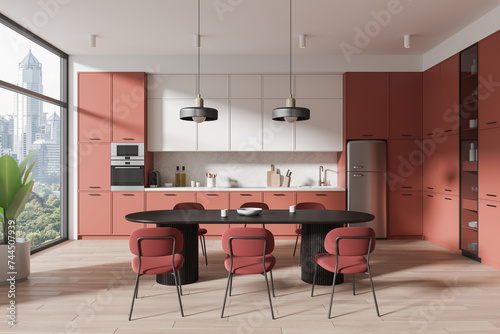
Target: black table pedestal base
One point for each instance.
(312, 243)
(189, 271)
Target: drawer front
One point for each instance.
(332, 200)
(167, 200)
(279, 200)
(237, 199)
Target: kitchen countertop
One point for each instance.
(299, 188)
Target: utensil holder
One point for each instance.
(286, 181)
(210, 182)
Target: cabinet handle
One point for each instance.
(245, 194)
(406, 187)
(94, 138)
(430, 196)
(405, 135)
(489, 123)
(278, 194)
(406, 194)
(94, 187)
(430, 188)
(491, 205)
(212, 194)
(94, 194)
(447, 198)
(430, 133)
(491, 195)
(447, 130)
(367, 135)
(128, 195)
(128, 138)
(170, 194)
(321, 194)
(447, 190)
(358, 175)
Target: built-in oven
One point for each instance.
(127, 166)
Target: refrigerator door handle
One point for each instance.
(357, 167)
(358, 175)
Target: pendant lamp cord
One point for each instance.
(290, 47)
(199, 47)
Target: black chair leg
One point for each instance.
(180, 282)
(353, 286)
(229, 278)
(373, 290)
(272, 282)
(201, 244)
(231, 286)
(296, 241)
(134, 296)
(204, 247)
(331, 297)
(269, 295)
(314, 278)
(178, 293)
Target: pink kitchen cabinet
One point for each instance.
(94, 106)
(94, 213)
(159, 200)
(405, 159)
(280, 200)
(214, 200)
(489, 76)
(489, 163)
(489, 230)
(94, 169)
(405, 213)
(129, 106)
(332, 200)
(123, 204)
(405, 105)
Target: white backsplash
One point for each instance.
(247, 169)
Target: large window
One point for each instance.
(33, 116)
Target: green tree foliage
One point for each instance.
(41, 219)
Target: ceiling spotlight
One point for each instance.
(302, 41)
(407, 41)
(92, 42)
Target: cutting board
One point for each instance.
(276, 179)
(269, 175)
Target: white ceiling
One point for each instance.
(232, 27)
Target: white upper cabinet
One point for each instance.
(276, 86)
(214, 86)
(323, 131)
(245, 86)
(214, 135)
(318, 86)
(276, 136)
(245, 103)
(246, 124)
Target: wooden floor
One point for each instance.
(86, 287)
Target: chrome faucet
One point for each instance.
(321, 182)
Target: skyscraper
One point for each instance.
(27, 111)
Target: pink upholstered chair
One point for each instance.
(156, 252)
(305, 206)
(248, 252)
(349, 251)
(201, 231)
(261, 205)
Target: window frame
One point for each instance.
(63, 104)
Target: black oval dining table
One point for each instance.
(315, 226)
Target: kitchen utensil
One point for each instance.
(286, 181)
(249, 211)
(269, 174)
(276, 179)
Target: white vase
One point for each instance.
(21, 260)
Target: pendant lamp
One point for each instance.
(199, 113)
(290, 113)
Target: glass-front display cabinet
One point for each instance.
(469, 106)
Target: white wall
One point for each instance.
(473, 33)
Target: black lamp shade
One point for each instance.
(188, 113)
(280, 113)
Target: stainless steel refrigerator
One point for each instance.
(366, 182)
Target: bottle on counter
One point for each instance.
(472, 152)
(177, 177)
(183, 176)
